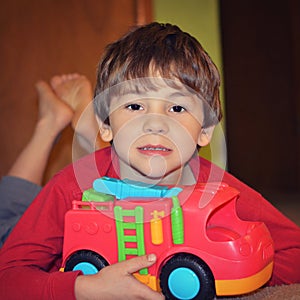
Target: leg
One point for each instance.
(54, 116)
(76, 91)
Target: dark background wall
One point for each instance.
(261, 56)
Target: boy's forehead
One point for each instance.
(153, 87)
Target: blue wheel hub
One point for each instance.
(86, 268)
(184, 283)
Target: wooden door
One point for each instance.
(41, 38)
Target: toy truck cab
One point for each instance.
(203, 249)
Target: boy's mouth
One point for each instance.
(154, 150)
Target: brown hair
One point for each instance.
(171, 53)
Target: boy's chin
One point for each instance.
(153, 174)
(149, 174)
(157, 175)
(155, 168)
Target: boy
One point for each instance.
(167, 107)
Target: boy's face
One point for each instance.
(155, 132)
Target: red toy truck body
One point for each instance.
(203, 248)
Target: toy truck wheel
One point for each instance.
(186, 276)
(86, 261)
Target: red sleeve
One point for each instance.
(31, 257)
(252, 206)
(286, 235)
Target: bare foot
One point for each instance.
(54, 114)
(76, 91)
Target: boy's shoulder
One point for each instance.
(100, 159)
(85, 170)
(210, 172)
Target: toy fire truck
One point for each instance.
(203, 248)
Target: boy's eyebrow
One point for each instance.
(179, 93)
(192, 97)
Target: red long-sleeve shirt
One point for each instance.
(31, 257)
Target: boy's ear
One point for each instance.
(105, 131)
(205, 136)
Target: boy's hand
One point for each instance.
(117, 282)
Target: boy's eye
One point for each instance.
(134, 106)
(177, 109)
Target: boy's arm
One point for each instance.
(252, 206)
(286, 235)
(31, 257)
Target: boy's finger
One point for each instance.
(135, 264)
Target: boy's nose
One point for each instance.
(155, 124)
